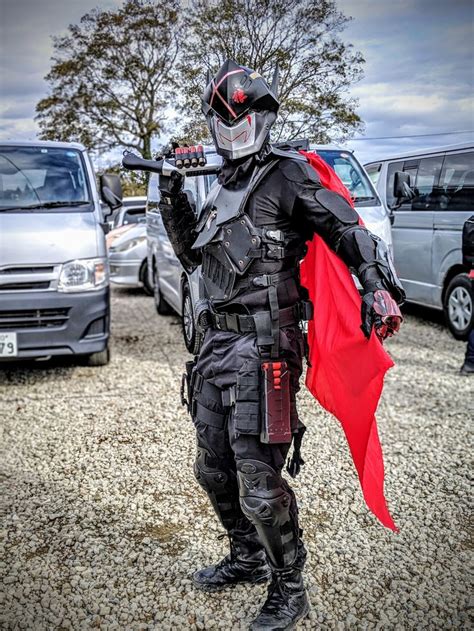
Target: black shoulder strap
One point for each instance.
(257, 177)
(280, 153)
(207, 206)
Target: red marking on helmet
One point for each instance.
(216, 86)
(238, 96)
(243, 133)
(249, 119)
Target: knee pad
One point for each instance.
(264, 497)
(209, 477)
(220, 486)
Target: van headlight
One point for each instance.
(83, 275)
(128, 245)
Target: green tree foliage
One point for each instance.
(133, 182)
(112, 76)
(316, 66)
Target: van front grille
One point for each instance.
(29, 278)
(33, 318)
(49, 269)
(24, 286)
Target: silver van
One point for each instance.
(430, 195)
(54, 278)
(174, 290)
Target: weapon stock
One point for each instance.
(132, 162)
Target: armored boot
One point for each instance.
(287, 601)
(269, 503)
(246, 563)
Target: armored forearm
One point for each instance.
(368, 256)
(179, 220)
(317, 209)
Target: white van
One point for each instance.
(54, 277)
(430, 195)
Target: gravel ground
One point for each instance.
(104, 523)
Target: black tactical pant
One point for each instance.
(241, 474)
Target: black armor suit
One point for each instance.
(249, 239)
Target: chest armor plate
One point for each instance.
(227, 257)
(227, 238)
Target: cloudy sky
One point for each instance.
(419, 71)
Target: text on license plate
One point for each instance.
(8, 345)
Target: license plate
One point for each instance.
(8, 345)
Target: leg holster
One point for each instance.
(268, 502)
(187, 384)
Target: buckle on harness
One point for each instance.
(275, 235)
(275, 252)
(260, 281)
(229, 397)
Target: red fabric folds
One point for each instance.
(347, 370)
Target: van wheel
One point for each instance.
(162, 307)
(192, 337)
(101, 358)
(148, 289)
(458, 306)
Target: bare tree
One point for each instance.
(302, 36)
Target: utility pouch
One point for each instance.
(187, 384)
(276, 422)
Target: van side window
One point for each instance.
(153, 193)
(392, 168)
(457, 182)
(426, 189)
(373, 171)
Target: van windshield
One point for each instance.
(351, 173)
(35, 178)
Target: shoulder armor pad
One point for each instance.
(299, 171)
(336, 205)
(280, 153)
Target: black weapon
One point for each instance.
(189, 161)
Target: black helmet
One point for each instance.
(240, 108)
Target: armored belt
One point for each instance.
(237, 323)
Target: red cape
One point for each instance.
(346, 370)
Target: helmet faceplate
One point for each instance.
(240, 109)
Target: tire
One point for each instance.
(147, 288)
(101, 358)
(458, 306)
(192, 337)
(162, 307)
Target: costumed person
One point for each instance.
(249, 240)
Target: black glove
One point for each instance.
(172, 185)
(380, 311)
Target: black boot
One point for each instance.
(246, 563)
(286, 603)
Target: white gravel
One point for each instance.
(104, 523)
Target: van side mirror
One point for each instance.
(111, 190)
(401, 186)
